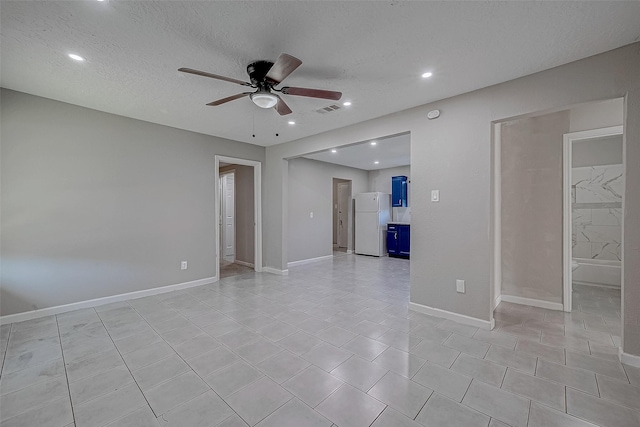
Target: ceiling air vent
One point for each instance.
(328, 109)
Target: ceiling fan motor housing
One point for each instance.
(258, 71)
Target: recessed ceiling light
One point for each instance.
(427, 75)
(346, 104)
(373, 143)
(292, 122)
(334, 151)
(376, 162)
(76, 57)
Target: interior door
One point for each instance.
(344, 199)
(228, 217)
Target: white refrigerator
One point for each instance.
(372, 215)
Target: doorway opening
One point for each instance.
(341, 215)
(548, 167)
(238, 216)
(593, 184)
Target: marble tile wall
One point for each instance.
(597, 193)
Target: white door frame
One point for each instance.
(257, 208)
(495, 290)
(567, 256)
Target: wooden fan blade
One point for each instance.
(284, 65)
(213, 76)
(229, 98)
(312, 93)
(282, 108)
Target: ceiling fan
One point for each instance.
(264, 76)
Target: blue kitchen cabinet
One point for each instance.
(399, 191)
(398, 240)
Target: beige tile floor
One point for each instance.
(331, 344)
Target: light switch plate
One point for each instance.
(460, 286)
(183, 265)
(435, 195)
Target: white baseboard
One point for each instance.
(460, 318)
(275, 271)
(309, 260)
(497, 301)
(629, 359)
(246, 264)
(595, 285)
(29, 315)
(533, 302)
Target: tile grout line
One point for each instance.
(125, 364)
(529, 411)
(466, 391)
(504, 376)
(66, 375)
(270, 413)
(6, 348)
(425, 403)
(333, 392)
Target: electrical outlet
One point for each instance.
(183, 265)
(310, 214)
(460, 286)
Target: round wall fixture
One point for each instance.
(433, 114)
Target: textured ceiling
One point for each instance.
(374, 52)
(389, 152)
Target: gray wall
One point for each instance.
(95, 204)
(380, 180)
(452, 239)
(311, 190)
(596, 115)
(597, 151)
(531, 159)
(244, 211)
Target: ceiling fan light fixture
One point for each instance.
(264, 99)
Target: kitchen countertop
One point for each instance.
(399, 223)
